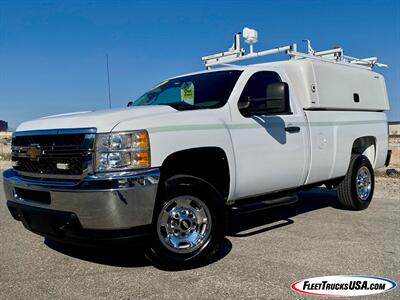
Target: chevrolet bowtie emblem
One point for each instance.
(34, 151)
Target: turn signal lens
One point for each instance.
(142, 159)
(141, 140)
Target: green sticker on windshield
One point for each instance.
(187, 92)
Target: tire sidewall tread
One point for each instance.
(193, 186)
(347, 190)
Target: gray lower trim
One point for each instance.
(129, 203)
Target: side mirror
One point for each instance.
(277, 100)
(130, 103)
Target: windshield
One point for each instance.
(206, 90)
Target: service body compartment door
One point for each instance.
(271, 151)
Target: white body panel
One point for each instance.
(267, 158)
(326, 85)
(103, 120)
(186, 130)
(332, 136)
(262, 157)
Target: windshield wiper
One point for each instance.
(184, 105)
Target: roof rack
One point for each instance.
(236, 53)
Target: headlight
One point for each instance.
(122, 150)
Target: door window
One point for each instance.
(255, 92)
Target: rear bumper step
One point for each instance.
(249, 207)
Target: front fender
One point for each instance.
(186, 130)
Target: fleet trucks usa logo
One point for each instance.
(343, 286)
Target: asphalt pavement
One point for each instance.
(262, 256)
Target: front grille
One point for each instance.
(47, 165)
(58, 155)
(62, 140)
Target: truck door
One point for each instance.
(271, 149)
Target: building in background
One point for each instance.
(394, 128)
(5, 141)
(3, 125)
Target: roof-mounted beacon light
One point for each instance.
(250, 37)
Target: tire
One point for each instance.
(185, 200)
(356, 190)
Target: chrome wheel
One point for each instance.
(184, 224)
(363, 183)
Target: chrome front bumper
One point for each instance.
(107, 202)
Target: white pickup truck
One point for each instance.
(166, 169)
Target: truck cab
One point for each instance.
(166, 169)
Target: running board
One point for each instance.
(261, 205)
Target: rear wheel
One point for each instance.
(356, 190)
(188, 224)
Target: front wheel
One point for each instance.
(357, 188)
(188, 224)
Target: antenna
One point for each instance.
(108, 83)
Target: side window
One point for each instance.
(256, 86)
(261, 95)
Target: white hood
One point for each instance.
(103, 120)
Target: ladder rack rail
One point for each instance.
(224, 59)
(335, 55)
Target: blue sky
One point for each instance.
(52, 53)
